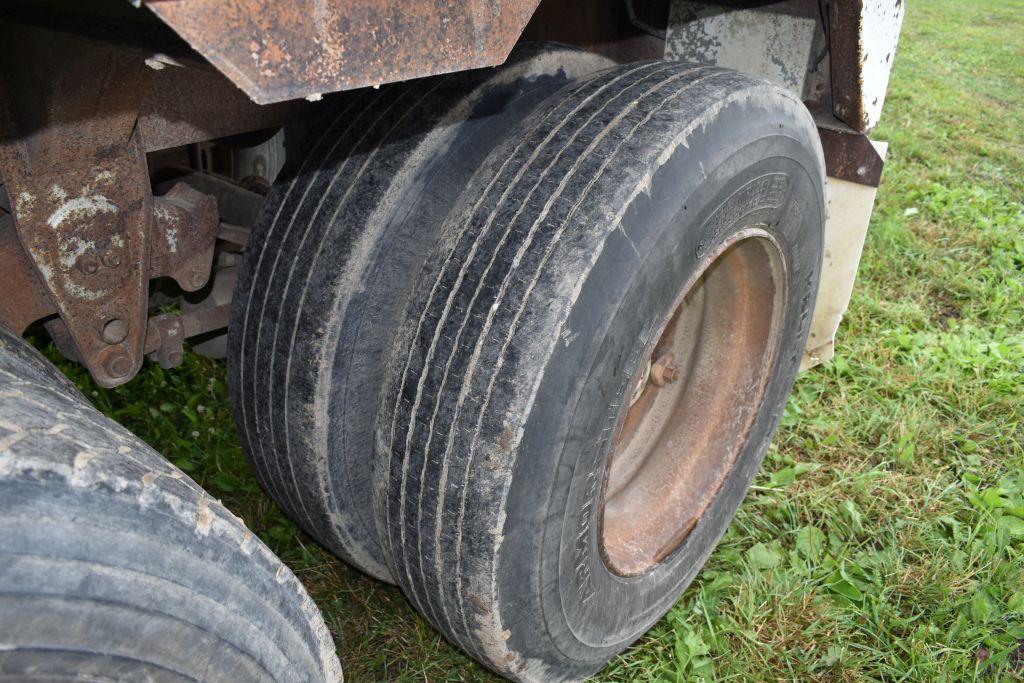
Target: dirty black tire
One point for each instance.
(115, 565)
(329, 265)
(517, 358)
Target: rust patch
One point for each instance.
(186, 104)
(847, 72)
(79, 188)
(278, 50)
(680, 439)
(25, 299)
(849, 155)
(184, 235)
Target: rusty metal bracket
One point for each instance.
(167, 332)
(849, 155)
(278, 50)
(184, 237)
(79, 188)
(87, 233)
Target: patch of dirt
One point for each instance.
(946, 309)
(1015, 662)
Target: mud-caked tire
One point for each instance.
(526, 508)
(330, 264)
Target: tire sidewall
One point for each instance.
(690, 209)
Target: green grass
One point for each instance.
(884, 538)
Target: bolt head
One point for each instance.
(115, 331)
(112, 258)
(197, 278)
(118, 365)
(88, 264)
(664, 370)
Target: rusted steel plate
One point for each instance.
(25, 299)
(79, 189)
(183, 238)
(278, 50)
(186, 104)
(849, 155)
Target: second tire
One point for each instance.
(594, 359)
(329, 267)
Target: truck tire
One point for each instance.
(114, 565)
(594, 360)
(330, 264)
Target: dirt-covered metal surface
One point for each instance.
(862, 39)
(78, 184)
(278, 50)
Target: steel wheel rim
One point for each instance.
(693, 402)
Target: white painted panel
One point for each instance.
(848, 207)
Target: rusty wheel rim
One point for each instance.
(694, 402)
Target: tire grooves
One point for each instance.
(184, 497)
(452, 417)
(471, 450)
(353, 183)
(336, 250)
(244, 404)
(456, 260)
(290, 494)
(105, 496)
(456, 409)
(48, 653)
(291, 206)
(561, 145)
(211, 576)
(29, 602)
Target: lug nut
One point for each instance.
(664, 370)
(115, 331)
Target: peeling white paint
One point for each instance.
(172, 239)
(103, 177)
(44, 270)
(72, 249)
(58, 193)
(165, 215)
(25, 201)
(80, 292)
(80, 207)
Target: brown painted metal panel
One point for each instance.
(277, 50)
(186, 104)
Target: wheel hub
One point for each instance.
(694, 403)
